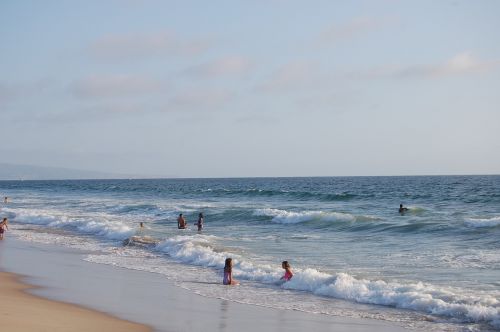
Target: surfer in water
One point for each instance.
(181, 222)
(402, 209)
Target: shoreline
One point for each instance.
(152, 300)
(17, 304)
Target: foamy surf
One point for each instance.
(97, 225)
(483, 222)
(292, 217)
(421, 297)
(415, 296)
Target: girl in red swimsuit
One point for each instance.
(288, 271)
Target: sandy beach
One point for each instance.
(61, 274)
(21, 311)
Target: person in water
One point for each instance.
(4, 225)
(402, 209)
(181, 222)
(200, 222)
(288, 271)
(141, 228)
(228, 273)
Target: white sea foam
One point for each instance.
(192, 250)
(473, 258)
(416, 296)
(56, 239)
(100, 225)
(201, 250)
(291, 217)
(425, 298)
(483, 222)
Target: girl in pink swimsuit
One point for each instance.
(288, 271)
(228, 273)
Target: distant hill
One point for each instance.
(26, 172)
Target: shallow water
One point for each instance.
(437, 266)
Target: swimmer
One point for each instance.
(181, 222)
(402, 209)
(228, 273)
(200, 222)
(141, 228)
(288, 271)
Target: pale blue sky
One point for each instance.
(252, 88)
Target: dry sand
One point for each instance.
(21, 311)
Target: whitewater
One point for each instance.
(434, 267)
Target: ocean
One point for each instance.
(435, 267)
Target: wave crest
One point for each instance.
(483, 222)
(290, 217)
(110, 229)
(415, 296)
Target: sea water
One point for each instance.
(434, 267)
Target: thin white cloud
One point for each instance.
(460, 64)
(107, 86)
(133, 46)
(228, 66)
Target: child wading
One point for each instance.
(3, 226)
(228, 273)
(288, 271)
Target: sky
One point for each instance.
(251, 87)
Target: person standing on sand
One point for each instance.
(3, 226)
(200, 222)
(181, 222)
